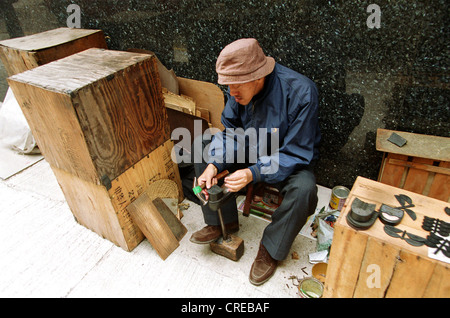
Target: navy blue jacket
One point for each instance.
(287, 108)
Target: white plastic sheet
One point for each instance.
(15, 133)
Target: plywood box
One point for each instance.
(97, 116)
(370, 263)
(21, 54)
(422, 165)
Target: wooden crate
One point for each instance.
(401, 270)
(421, 166)
(21, 54)
(98, 116)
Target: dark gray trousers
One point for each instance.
(299, 192)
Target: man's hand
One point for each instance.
(208, 176)
(238, 179)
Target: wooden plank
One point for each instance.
(346, 255)
(179, 102)
(412, 274)
(418, 145)
(383, 163)
(421, 164)
(117, 100)
(206, 95)
(393, 174)
(177, 228)
(374, 192)
(24, 53)
(417, 178)
(152, 224)
(440, 188)
(376, 269)
(204, 113)
(439, 284)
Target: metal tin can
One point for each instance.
(310, 287)
(338, 196)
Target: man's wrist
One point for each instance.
(215, 170)
(249, 174)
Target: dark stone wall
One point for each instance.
(394, 77)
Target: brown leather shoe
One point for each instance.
(263, 267)
(210, 233)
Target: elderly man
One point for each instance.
(270, 99)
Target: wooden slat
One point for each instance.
(152, 224)
(418, 145)
(177, 228)
(411, 276)
(179, 102)
(376, 269)
(440, 188)
(346, 255)
(417, 178)
(421, 164)
(374, 192)
(393, 174)
(439, 284)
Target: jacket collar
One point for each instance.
(268, 84)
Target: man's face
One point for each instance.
(243, 93)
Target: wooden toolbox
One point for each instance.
(99, 119)
(422, 165)
(370, 263)
(21, 54)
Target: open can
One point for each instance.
(310, 287)
(338, 196)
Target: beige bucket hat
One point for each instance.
(243, 61)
